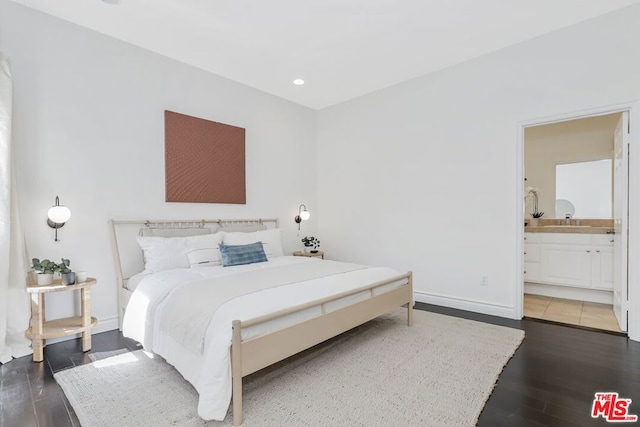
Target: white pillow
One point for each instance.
(204, 251)
(163, 253)
(270, 239)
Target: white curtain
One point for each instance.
(14, 301)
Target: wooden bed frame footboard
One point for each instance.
(254, 354)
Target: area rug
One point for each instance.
(439, 372)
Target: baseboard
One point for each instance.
(465, 304)
(103, 325)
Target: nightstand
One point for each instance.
(42, 330)
(318, 254)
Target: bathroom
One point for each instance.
(574, 250)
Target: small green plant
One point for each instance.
(43, 267)
(63, 267)
(311, 242)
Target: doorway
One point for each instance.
(575, 255)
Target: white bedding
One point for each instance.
(132, 282)
(209, 370)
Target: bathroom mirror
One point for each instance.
(588, 186)
(564, 208)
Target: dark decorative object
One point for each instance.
(311, 244)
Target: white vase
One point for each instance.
(533, 222)
(307, 249)
(81, 276)
(45, 279)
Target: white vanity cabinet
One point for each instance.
(602, 262)
(565, 259)
(576, 260)
(531, 257)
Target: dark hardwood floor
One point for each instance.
(550, 381)
(552, 378)
(30, 396)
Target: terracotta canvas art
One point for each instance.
(204, 160)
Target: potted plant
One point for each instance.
(311, 244)
(44, 269)
(68, 277)
(533, 193)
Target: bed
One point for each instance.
(218, 324)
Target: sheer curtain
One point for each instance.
(14, 301)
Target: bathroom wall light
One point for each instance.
(303, 215)
(57, 216)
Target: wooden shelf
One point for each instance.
(319, 254)
(57, 286)
(42, 329)
(62, 327)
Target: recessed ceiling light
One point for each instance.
(298, 82)
(111, 1)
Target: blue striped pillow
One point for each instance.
(242, 254)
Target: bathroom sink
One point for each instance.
(566, 226)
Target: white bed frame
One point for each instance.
(249, 356)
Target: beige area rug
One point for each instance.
(439, 372)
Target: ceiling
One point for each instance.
(342, 49)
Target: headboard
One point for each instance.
(127, 254)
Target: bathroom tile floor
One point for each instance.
(582, 313)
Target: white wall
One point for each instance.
(420, 176)
(423, 176)
(88, 126)
(566, 142)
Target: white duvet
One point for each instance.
(152, 315)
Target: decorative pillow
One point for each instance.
(163, 253)
(203, 251)
(270, 239)
(242, 254)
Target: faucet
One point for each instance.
(567, 219)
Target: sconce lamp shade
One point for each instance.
(59, 214)
(305, 215)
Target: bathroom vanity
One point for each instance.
(569, 261)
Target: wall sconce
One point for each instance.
(303, 215)
(57, 216)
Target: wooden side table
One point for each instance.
(41, 329)
(318, 254)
